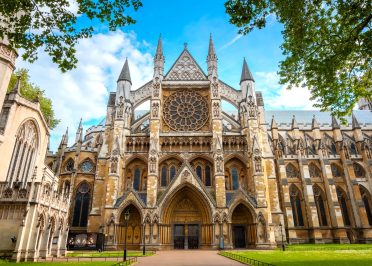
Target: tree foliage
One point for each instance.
(327, 46)
(52, 26)
(33, 92)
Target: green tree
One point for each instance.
(327, 46)
(52, 26)
(33, 92)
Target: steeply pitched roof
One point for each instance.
(246, 73)
(125, 74)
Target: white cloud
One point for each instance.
(278, 97)
(235, 39)
(83, 91)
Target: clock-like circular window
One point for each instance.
(87, 166)
(185, 111)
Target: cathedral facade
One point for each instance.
(192, 175)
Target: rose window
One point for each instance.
(185, 111)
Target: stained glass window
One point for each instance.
(172, 173)
(208, 182)
(235, 178)
(137, 178)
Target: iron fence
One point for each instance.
(244, 259)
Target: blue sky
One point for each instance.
(83, 91)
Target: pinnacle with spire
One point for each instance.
(125, 74)
(64, 140)
(335, 124)
(273, 123)
(246, 73)
(294, 123)
(354, 122)
(17, 85)
(159, 49)
(79, 132)
(314, 123)
(211, 51)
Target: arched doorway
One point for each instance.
(243, 227)
(133, 230)
(186, 222)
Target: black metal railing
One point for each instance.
(129, 261)
(244, 259)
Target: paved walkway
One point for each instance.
(185, 258)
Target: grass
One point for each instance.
(106, 254)
(315, 254)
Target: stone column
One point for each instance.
(7, 66)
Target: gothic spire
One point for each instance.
(334, 123)
(64, 140)
(211, 51)
(246, 73)
(354, 122)
(125, 74)
(159, 48)
(79, 132)
(314, 123)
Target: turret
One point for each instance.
(246, 81)
(274, 130)
(315, 129)
(336, 130)
(212, 59)
(295, 129)
(159, 59)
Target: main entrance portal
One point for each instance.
(186, 221)
(186, 236)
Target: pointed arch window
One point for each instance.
(298, 219)
(320, 206)
(353, 149)
(164, 176)
(235, 178)
(82, 205)
(24, 154)
(208, 179)
(69, 165)
(367, 201)
(336, 170)
(344, 207)
(291, 171)
(199, 171)
(137, 179)
(172, 173)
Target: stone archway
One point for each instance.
(186, 221)
(243, 226)
(133, 230)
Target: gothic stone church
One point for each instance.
(194, 176)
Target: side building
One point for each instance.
(33, 214)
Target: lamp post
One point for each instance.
(144, 240)
(281, 232)
(126, 219)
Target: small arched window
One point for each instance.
(344, 207)
(296, 205)
(235, 178)
(208, 180)
(291, 171)
(353, 149)
(333, 149)
(358, 170)
(69, 165)
(314, 171)
(82, 205)
(172, 173)
(137, 179)
(164, 176)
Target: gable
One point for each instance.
(185, 68)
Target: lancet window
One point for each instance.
(342, 200)
(367, 201)
(296, 204)
(24, 154)
(82, 205)
(320, 205)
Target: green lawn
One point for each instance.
(303, 255)
(107, 263)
